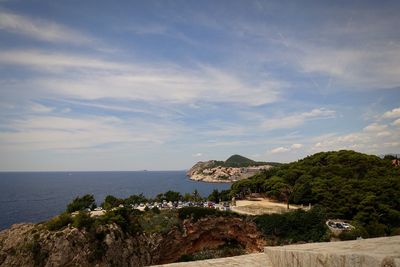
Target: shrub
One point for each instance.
(59, 221)
(81, 203)
(82, 220)
(162, 222)
(111, 202)
(125, 218)
(353, 234)
(294, 226)
(196, 213)
(155, 210)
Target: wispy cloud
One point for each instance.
(62, 132)
(295, 120)
(93, 78)
(375, 127)
(39, 108)
(49, 61)
(41, 29)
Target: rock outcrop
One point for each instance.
(211, 171)
(34, 245)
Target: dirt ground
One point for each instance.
(257, 206)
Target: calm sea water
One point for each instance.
(37, 196)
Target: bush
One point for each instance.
(125, 218)
(82, 220)
(81, 203)
(59, 221)
(353, 234)
(155, 210)
(294, 226)
(111, 202)
(162, 222)
(196, 213)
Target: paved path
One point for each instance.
(249, 260)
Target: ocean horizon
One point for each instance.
(35, 196)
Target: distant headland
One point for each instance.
(235, 168)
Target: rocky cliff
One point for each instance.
(233, 169)
(34, 245)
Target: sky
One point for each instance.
(160, 85)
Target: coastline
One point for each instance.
(213, 181)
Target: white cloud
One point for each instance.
(371, 141)
(383, 134)
(197, 155)
(41, 29)
(394, 113)
(294, 120)
(39, 108)
(47, 61)
(375, 127)
(93, 78)
(396, 122)
(62, 132)
(296, 146)
(279, 150)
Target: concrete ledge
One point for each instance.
(249, 260)
(373, 252)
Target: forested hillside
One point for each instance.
(347, 184)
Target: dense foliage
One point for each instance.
(230, 248)
(81, 203)
(347, 184)
(217, 196)
(240, 161)
(294, 226)
(196, 213)
(59, 221)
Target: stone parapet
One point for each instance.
(373, 252)
(249, 260)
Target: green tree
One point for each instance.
(172, 196)
(81, 203)
(111, 202)
(187, 197)
(278, 188)
(214, 196)
(82, 220)
(136, 199)
(196, 196)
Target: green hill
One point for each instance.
(347, 184)
(238, 161)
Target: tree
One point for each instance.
(172, 196)
(82, 220)
(111, 202)
(136, 199)
(187, 197)
(196, 196)
(214, 196)
(81, 203)
(278, 188)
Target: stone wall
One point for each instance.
(373, 252)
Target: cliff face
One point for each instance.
(208, 172)
(34, 245)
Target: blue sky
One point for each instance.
(160, 85)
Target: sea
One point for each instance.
(38, 196)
